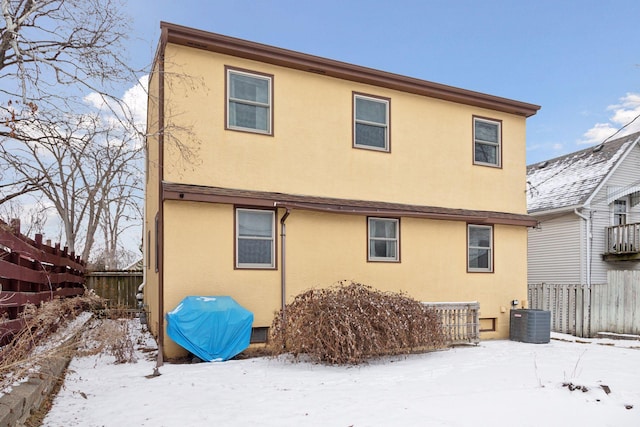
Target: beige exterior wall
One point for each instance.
(151, 207)
(322, 249)
(311, 153)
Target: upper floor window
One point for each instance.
(371, 122)
(249, 101)
(480, 248)
(620, 212)
(383, 239)
(255, 238)
(487, 135)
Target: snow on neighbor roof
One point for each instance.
(568, 181)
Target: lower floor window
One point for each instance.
(383, 239)
(480, 247)
(255, 238)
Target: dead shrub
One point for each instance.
(351, 322)
(108, 336)
(19, 357)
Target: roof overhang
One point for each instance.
(213, 42)
(561, 210)
(195, 193)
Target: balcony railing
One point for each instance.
(622, 239)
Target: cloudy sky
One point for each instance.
(578, 59)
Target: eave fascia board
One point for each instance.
(213, 42)
(180, 192)
(604, 180)
(564, 209)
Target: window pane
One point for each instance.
(478, 258)
(254, 251)
(381, 228)
(620, 206)
(382, 249)
(249, 88)
(486, 131)
(248, 116)
(371, 111)
(479, 237)
(372, 136)
(486, 153)
(255, 224)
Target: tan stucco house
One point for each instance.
(270, 172)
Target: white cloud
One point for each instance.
(95, 100)
(136, 99)
(623, 114)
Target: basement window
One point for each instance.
(488, 324)
(259, 335)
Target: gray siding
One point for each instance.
(554, 250)
(627, 174)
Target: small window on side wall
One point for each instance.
(480, 248)
(383, 242)
(487, 142)
(255, 238)
(620, 212)
(249, 101)
(371, 122)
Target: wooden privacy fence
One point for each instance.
(460, 321)
(584, 311)
(568, 304)
(119, 288)
(32, 272)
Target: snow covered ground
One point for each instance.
(497, 383)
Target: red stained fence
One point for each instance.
(32, 272)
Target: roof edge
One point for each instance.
(617, 164)
(196, 193)
(214, 42)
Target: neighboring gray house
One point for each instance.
(588, 207)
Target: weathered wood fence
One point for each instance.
(32, 272)
(460, 321)
(584, 311)
(119, 288)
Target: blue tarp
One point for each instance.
(214, 328)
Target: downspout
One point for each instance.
(160, 236)
(589, 238)
(283, 253)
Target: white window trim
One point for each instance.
(624, 214)
(385, 126)
(268, 105)
(498, 145)
(272, 264)
(395, 239)
(490, 248)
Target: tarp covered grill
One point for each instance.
(213, 328)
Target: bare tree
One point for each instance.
(122, 210)
(35, 215)
(48, 43)
(77, 161)
(61, 62)
(53, 53)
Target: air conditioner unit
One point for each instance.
(530, 326)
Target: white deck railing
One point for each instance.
(460, 321)
(623, 239)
